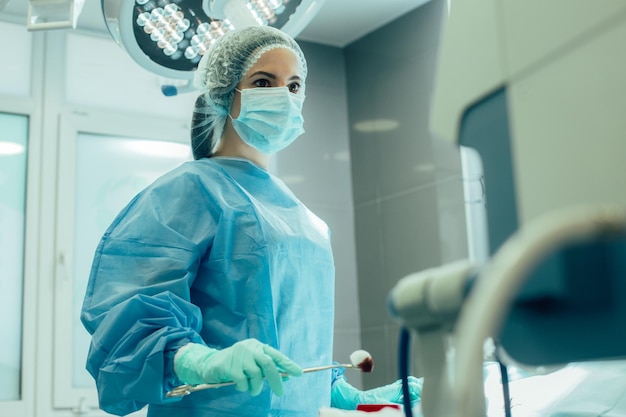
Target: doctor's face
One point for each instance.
(278, 67)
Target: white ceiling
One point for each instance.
(338, 23)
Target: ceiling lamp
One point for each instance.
(168, 37)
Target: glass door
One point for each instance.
(13, 166)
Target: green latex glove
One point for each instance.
(248, 363)
(347, 397)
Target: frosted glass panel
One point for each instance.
(109, 172)
(15, 69)
(13, 147)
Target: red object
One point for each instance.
(368, 408)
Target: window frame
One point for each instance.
(24, 106)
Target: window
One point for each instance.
(102, 166)
(13, 151)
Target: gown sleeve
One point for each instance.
(137, 305)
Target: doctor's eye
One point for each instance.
(262, 82)
(294, 87)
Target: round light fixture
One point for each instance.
(168, 37)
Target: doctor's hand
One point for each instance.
(347, 397)
(247, 363)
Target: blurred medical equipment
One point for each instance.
(579, 319)
(358, 359)
(169, 37)
(428, 302)
(540, 98)
(53, 14)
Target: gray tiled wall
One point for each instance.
(408, 198)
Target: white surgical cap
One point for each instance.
(221, 68)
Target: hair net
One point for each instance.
(220, 70)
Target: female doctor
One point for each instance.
(217, 272)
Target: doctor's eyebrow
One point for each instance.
(273, 77)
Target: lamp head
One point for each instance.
(169, 37)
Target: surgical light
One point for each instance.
(169, 37)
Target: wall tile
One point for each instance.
(374, 340)
(410, 234)
(390, 77)
(369, 255)
(346, 342)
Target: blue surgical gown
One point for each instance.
(216, 251)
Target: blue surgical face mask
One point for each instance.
(270, 118)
